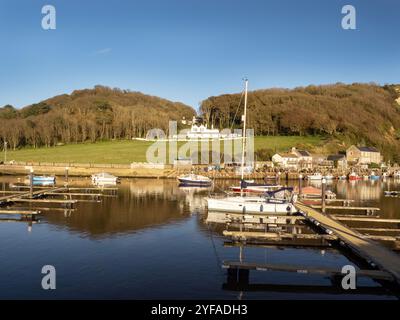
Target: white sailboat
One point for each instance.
(315, 176)
(273, 202)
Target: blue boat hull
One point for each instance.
(185, 182)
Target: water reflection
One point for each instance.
(138, 204)
(154, 234)
(142, 203)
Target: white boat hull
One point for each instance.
(104, 181)
(243, 205)
(194, 180)
(314, 177)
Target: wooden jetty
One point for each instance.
(245, 235)
(366, 219)
(57, 201)
(279, 238)
(21, 212)
(66, 188)
(377, 229)
(47, 195)
(374, 274)
(367, 209)
(369, 250)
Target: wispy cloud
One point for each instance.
(103, 51)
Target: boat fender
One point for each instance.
(261, 208)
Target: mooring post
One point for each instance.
(323, 194)
(66, 174)
(31, 183)
(300, 183)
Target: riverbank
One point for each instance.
(134, 170)
(159, 171)
(85, 170)
(128, 151)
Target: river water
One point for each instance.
(151, 241)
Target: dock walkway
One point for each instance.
(370, 250)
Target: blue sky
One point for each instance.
(187, 50)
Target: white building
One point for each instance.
(305, 158)
(286, 160)
(200, 131)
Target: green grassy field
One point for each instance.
(127, 151)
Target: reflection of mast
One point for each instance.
(244, 126)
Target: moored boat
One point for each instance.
(354, 176)
(252, 187)
(312, 192)
(44, 179)
(392, 193)
(374, 176)
(273, 202)
(41, 180)
(194, 180)
(315, 176)
(104, 178)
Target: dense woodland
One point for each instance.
(88, 115)
(364, 114)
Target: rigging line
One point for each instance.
(231, 127)
(237, 109)
(219, 260)
(234, 117)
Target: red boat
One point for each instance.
(354, 176)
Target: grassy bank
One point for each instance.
(127, 151)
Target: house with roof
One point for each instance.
(304, 158)
(286, 160)
(338, 161)
(320, 161)
(363, 155)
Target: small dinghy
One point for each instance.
(354, 176)
(104, 178)
(194, 180)
(41, 180)
(374, 176)
(392, 193)
(315, 176)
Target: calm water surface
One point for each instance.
(152, 242)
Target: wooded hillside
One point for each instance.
(88, 115)
(363, 114)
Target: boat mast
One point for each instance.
(244, 127)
